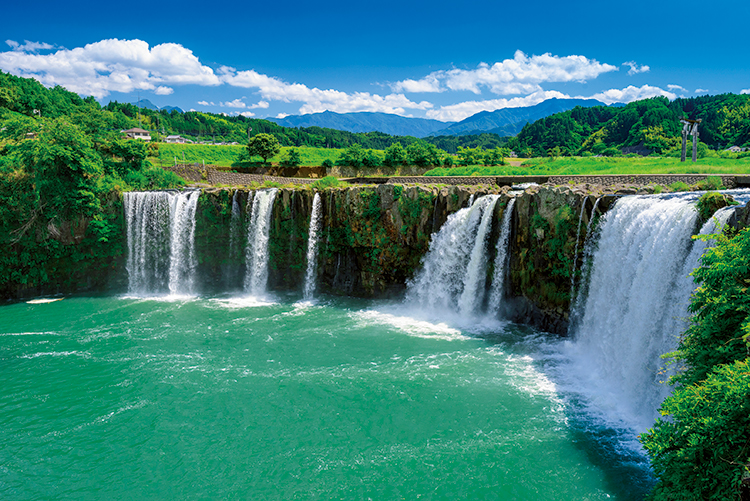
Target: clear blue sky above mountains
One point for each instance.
(425, 59)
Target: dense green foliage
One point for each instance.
(264, 146)
(62, 166)
(700, 449)
(650, 124)
(712, 201)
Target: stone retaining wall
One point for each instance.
(641, 180)
(449, 180)
(197, 173)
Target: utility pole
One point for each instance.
(689, 127)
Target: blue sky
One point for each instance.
(415, 58)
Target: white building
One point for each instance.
(176, 140)
(136, 133)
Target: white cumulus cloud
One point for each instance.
(163, 90)
(743, 91)
(634, 68)
(676, 87)
(317, 100)
(247, 114)
(237, 103)
(206, 103)
(109, 65)
(632, 93)
(520, 75)
(701, 91)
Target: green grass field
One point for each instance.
(602, 166)
(227, 156)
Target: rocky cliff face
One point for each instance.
(373, 239)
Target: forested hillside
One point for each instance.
(201, 126)
(62, 159)
(653, 124)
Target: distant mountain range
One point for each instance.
(145, 103)
(510, 121)
(365, 122)
(504, 122)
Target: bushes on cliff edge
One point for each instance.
(700, 448)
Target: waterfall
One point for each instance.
(312, 247)
(472, 296)
(636, 304)
(256, 251)
(585, 249)
(453, 274)
(677, 317)
(182, 260)
(501, 260)
(161, 241)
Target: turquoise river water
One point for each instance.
(230, 398)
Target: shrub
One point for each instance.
(326, 182)
(679, 186)
(710, 183)
(292, 158)
(712, 201)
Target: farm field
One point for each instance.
(234, 155)
(602, 166)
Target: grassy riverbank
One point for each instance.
(602, 166)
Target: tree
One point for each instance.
(292, 158)
(264, 146)
(132, 152)
(352, 156)
(371, 159)
(394, 155)
(496, 156)
(470, 156)
(422, 154)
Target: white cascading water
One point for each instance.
(256, 252)
(182, 259)
(501, 260)
(161, 241)
(578, 237)
(635, 305)
(677, 318)
(454, 270)
(312, 248)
